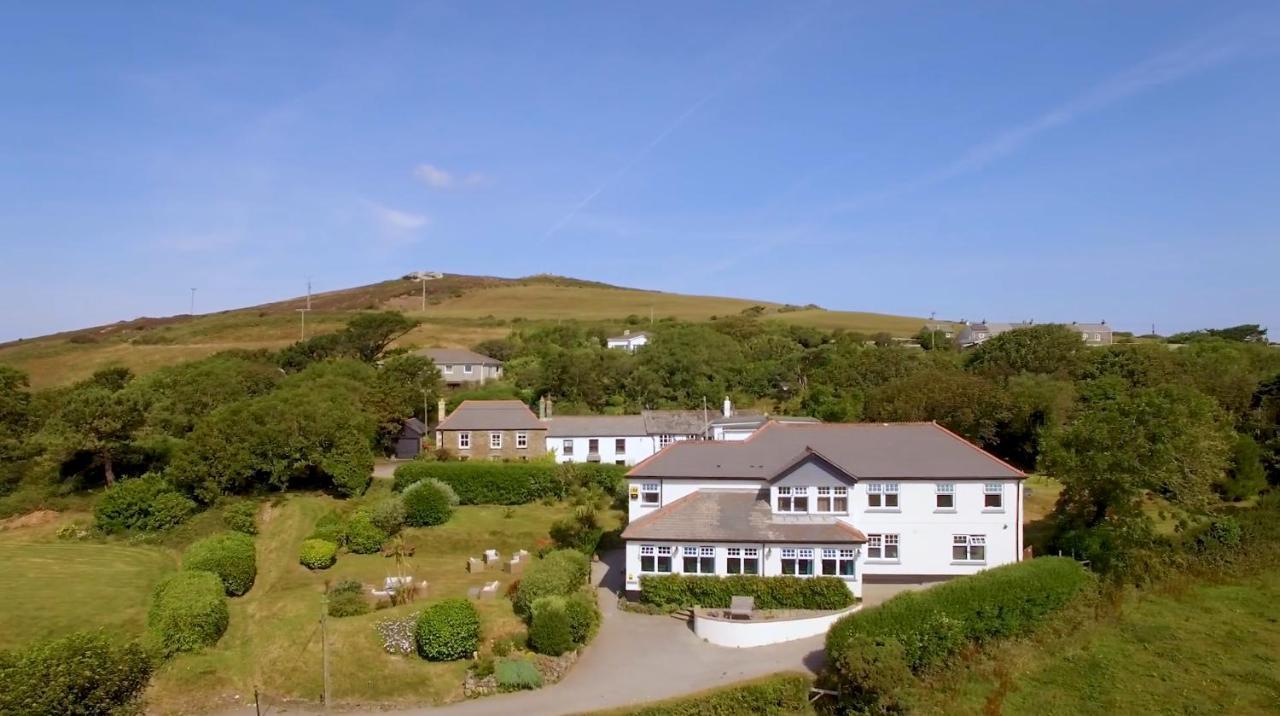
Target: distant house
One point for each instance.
(628, 341)
(972, 334)
(491, 430)
(409, 444)
(459, 366)
(621, 439)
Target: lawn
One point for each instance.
(1207, 649)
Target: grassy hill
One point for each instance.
(460, 311)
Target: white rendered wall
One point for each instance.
(638, 448)
(745, 634)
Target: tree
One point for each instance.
(934, 340)
(968, 404)
(368, 335)
(1036, 404)
(178, 396)
(1050, 349)
(99, 416)
(1243, 333)
(1246, 477)
(15, 411)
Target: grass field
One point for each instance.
(461, 311)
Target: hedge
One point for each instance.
(426, 504)
(681, 590)
(512, 483)
(318, 554)
(241, 517)
(346, 599)
(145, 503)
(584, 615)
(550, 631)
(330, 527)
(80, 674)
(934, 623)
(188, 611)
(229, 555)
(361, 535)
(785, 693)
(558, 574)
(448, 630)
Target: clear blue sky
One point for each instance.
(1055, 161)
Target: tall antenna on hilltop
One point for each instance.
(303, 311)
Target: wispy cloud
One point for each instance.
(437, 178)
(398, 226)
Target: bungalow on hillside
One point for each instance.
(628, 341)
(491, 430)
(459, 366)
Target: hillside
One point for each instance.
(460, 311)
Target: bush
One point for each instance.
(769, 696)
(584, 616)
(388, 514)
(550, 631)
(871, 672)
(609, 478)
(448, 630)
(769, 592)
(517, 675)
(229, 555)
(362, 536)
(318, 554)
(241, 517)
(346, 599)
(80, 674)
(188, 612)
(144, 503)
(488, 483)
(580, 533)
(425, 504)
(559, 574)
(330, 528)
(448, 491)
(999, 602)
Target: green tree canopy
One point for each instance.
(1049, 349)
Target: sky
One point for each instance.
(1004, 161)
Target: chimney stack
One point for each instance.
(728, 407)
(440, 415)
(542, 407)
(550, 408)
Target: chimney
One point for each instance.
(440, 414)
(626, 332)
(728, 407)
(542, 407)
(550, 411)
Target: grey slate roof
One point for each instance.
(595, 426)
(675, 422)
(736, 516)
(900, 451)
(492, 415)
(456, 356)
(756, 421)
(629, 336)
(416, 426)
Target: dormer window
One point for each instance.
(793, 499)
(833, 500)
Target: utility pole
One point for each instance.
(423, 279)
(933, 331)
(303, 311)
(324, 644)
(193, 302)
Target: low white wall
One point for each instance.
(742, 633)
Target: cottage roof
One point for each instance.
(460, 356)
(675, 422)
(899, 451)
(737, 516)
(630, 336)
(492, 415)
(416, 426)
(594, 426)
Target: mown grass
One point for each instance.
(1205, 649)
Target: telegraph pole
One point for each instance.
(423, 279)
(193, 302)
(303, 311)
(324, 644)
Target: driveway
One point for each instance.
(637, 658)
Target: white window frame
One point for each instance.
(447, 368)
(989, 490)
(884, 548)
(522, 440)
(883, 497)
(665, 440)
(945, 490)
(464, 440)
(566, 447)
(467, 368)
(495, 440)
(801, 559)
(843, 561)
(737, 559)
(653, 489)
(833, 496)
(974, 549)
(619, 446)
(655, 553)
(703, 557)
(790, 497)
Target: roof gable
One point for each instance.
(811, 468)
(492, 415)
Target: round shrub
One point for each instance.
(83, 673)
(318, 554)
(870, 672)
(425, 504)
(346, 599)
(584, 616)
(188, 612)
(558, 574)
(447, 489)
(388, 514)
(550, 632)
(229, 555)
(241, 517)
(362, 536)
(448, 630)
(143, 503)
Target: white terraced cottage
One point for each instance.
(903, 503)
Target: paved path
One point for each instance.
(636, 658)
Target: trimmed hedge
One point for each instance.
(145, 503)
(448, 630)
(558, 574)
(229, 555)
(426, 504)
(513, 483)
(934, 623)
(681, 590)
(550, 631)
(584, 615)
(80, 674)
(362, 536)
(318, 554)
(785, 693)
(188, 612)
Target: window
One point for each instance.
(655, 560)
(993, 496)
(619, 446)
(798, 562)
(969, 548)
(699, 560)
(464, 441)
(495, 441)
(882, 547)
(448, 368)
(593, 445)
(837, 562)
(567, 448)
(522, 440)
(833, 499)
(743, 560)
(946, 497)
(467, 369)
(665, 440)
(793, 499)
(882, 495)
(619, 462)
(651, 493)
